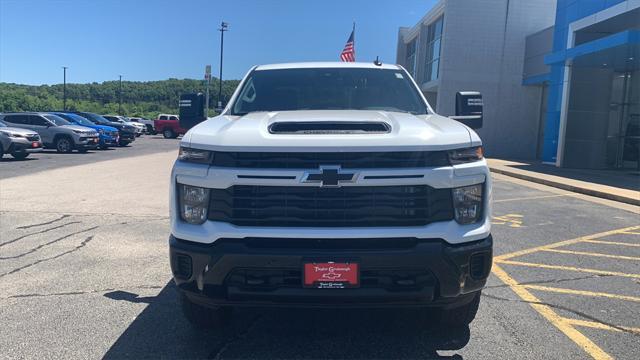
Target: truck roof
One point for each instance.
(333, 64)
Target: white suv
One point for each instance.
(330, 184)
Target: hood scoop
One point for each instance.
(329, 127)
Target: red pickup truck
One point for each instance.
(169, 126)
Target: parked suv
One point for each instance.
(127, 132)
(18, 142)
(55, 131)
(140, 129)
(146, 122)
(331, 185)
(108, 135)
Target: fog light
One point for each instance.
(194, 203)
(467, 203)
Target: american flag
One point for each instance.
(349, 52)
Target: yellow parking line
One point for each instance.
(601, 326)
(564, 243)
(568, 268)
(559, 322)
(582, 292)
(611, 243)
(571, 252)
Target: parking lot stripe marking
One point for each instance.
(530, 198)
(582, 292)
(571, 252)
(568, 268)
(587, 238)
(559, 322)
(601, 326)
(611, 243)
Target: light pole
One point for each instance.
(64, 88)
(120, 97)
(223, 27)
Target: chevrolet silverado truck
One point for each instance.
(331, 185)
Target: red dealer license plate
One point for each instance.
(328, 275)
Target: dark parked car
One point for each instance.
(127, 132)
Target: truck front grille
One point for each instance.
(350, 206)
(351, 160)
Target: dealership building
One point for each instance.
(560, 78)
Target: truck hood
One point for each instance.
(406, 132)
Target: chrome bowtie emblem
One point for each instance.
(328, 176)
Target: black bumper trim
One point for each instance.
(449, 265)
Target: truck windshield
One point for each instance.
(328, 89)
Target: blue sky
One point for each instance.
(160, 39)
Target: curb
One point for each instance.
(568, 187)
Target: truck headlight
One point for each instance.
(194, 203)
(466, 155)
(467, 203)
(194, 155)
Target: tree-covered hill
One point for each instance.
(146, 99)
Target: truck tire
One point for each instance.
(460, 316)
(150, 130)
(169, 134)
(64, 144)
(204, 317)
(18, 155)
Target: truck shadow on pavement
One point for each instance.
(160, 331)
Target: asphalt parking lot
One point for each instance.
(84, 274)
(50, 159)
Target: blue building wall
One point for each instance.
(567, 11)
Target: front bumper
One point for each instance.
(25, 146)
(108, 140)
(268, 271)
(127, 136)
(91, 142)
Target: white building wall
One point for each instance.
(478, 54)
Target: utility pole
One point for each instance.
(120, 97)
(223, 27)
(207, 77)
(64, 88)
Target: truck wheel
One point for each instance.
(64, 144)
(18, 155)
(150, 129)
(461, 316)
(168, 134)
(204, 317)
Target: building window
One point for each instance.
(434, 38)
(411, 57)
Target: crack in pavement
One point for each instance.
(552, 281)
(76, 248)
(45, 244)
(217, 353)
(38, 232)
(44, 223)
(80, 292)
(579, 313)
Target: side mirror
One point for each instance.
(469, 109)
(191, 110)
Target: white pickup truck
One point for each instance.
(331, 185)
